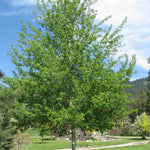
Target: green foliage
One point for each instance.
(6, 136)
(139, 92)
(7, 130)
(126, 129)
(139, 85)
(144, 122)
(10, 112)
(1, 74)
(148, 95)
(142, 125)
(32, 132)
(140, 105)
(142, 102)
(21, 139)
(69, 70)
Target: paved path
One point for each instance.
(112, 146)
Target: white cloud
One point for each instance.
(137, 29)
(23, 2)
(8, 13)
(16, 12)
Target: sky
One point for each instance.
(136, 31)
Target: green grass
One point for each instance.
(135, 147)
(47, 145)
(33, 132)
(59, 144)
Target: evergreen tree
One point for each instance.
(1, 74)
(6, 135)
(148, 93)
(139, 106)
(69, 68)
(7, 130)
(142, 102)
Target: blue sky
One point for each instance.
(136, 32)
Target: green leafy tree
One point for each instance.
(6, 135)
(21, 140)
(11, 114)
(145, 122)
(139, 105)
(141, 102)
(142, 125)
(1, 74)
(7, 130)
(69, 69)
(148, 92)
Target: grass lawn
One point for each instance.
(58, 144)
(135, 147)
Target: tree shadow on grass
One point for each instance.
(41, 142)
(47, 139)
(137, 139)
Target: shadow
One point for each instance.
(48, 139)
(140, 139)
(40, 142)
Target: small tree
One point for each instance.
(7, 130)
(142, 125)
(145, 122)
(6, 135)
(69, 69)
(21, 139)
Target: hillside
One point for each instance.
(138, 85)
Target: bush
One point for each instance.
(141, 126)
(21, 140)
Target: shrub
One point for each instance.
(21, 140)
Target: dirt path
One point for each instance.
(112, 146)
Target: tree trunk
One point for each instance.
(42, 138)
(73, 133)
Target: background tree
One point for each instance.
(69, 69)
(11, 115)
(7, 130)
(1, 74)
(148, 93)
(142, 125)
(139, 106)
(141, 102)
(145, 122)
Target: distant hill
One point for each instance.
(138, 85)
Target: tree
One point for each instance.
(7, 130)
(148, 92)
(69, 69)
(11, 114)
(1, 74)
(142, 125)
(21, 140)
(6, 135)
(145, 122)
(140, 105)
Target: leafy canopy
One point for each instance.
(69, 69)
